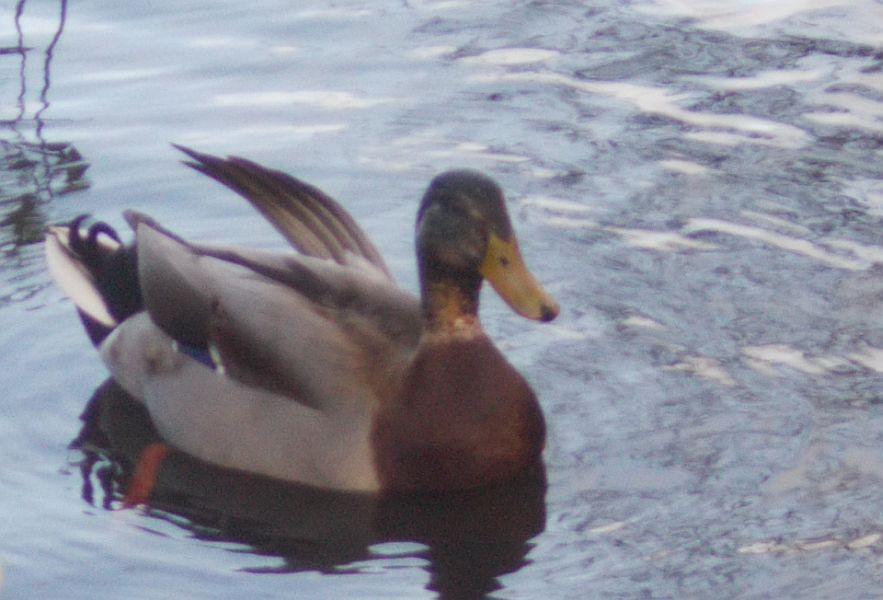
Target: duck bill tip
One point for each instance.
(505, 270)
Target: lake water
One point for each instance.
(699, 183)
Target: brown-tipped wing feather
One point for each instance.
(314, 223)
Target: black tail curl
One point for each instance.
(114, 270)
(87, 247)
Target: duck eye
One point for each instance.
(504, 262)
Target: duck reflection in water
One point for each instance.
(468, 538)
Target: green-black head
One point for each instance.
(464, 235)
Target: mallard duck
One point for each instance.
(315, 366)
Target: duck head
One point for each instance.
(464, 235)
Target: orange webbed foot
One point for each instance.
(144, 477)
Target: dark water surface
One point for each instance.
(700, 184)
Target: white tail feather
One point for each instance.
(73, 278)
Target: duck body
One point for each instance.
(314, 366)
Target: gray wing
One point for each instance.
(303, 327)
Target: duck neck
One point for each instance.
(450, 305)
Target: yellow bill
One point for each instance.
(504, 268)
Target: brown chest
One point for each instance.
(464, 417)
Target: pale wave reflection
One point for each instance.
(326, 99)
(660, 101)
(854, 20)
